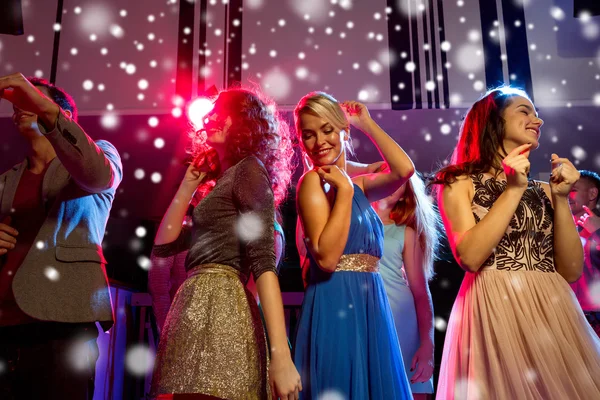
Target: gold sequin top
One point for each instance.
(233, 224)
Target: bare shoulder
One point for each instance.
(310, 187)
(463, 185)
(409, 237)
(308, 181)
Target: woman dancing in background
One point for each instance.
(411, 227)
(213, 341)
(345, 342)
(516, 330)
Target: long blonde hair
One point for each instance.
(416, 210)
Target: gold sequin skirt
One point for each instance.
(213, 341)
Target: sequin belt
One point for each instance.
(214, 268)
(358, 263)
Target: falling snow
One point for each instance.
(139, 360)
(249, 227)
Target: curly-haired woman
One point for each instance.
(213, 342)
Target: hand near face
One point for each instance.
(563, 176)
(589, 221)
(516, 166)
(356, 113)
(336, 177)
(194, 175)
(22, 94)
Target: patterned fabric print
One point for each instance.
(528, 241)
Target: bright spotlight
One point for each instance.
(198, 109)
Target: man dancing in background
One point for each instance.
(583, 200)
(53, 211)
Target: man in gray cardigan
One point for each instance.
(53, 212)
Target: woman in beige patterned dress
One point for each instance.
(516, 330)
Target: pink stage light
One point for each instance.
(198, 109)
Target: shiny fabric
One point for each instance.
(346, 345)
(358, 263)
(233, 225)
(213, 341)
(516, 330)
(401, 301)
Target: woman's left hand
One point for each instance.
(357, 114)
(422, 363)
(563, 176)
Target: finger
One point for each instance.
(520, 163)
(7, 82)
(518, 150)
(554, 161)
(9, 230)
(3, 251)
(7, 238)
(427, 374)
(525, 153)
(561, 160)
(413, 364)
(7, 94)
(417, 376)
(300, 384)
(518, 158)
(587, 210)
(521, 167)
(7, 245)
(296, 393)
(556, 171)
(580, 223)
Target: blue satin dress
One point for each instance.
(346, 343)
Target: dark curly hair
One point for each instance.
(257, 129)
(481, 135)
(58, 95)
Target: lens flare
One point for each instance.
(198, 109)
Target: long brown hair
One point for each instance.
(481, 135)
(416, 210)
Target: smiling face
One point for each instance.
(521, 124)
(323, 143)
(217, 129)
